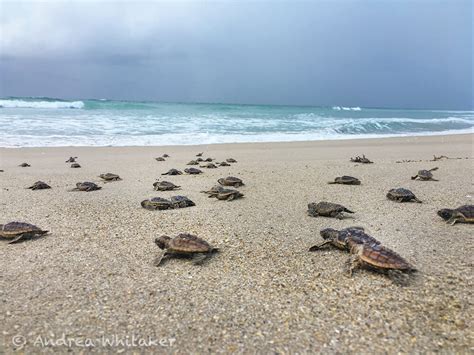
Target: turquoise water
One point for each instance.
(30, 122)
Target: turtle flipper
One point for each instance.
(414, 177)
(352, 263)
(17, 239)
(161, 258)
(318, 246)
(200, 258)
(417, 201)
(398, 277)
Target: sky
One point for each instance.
(368, 53)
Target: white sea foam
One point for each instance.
(41, 104)
(339, 108)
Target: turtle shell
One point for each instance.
(208, 159)
(193, 162)
(350, 236)
(199, 160)
(110, 177)
(346, 180)
(165, 186)
(209, 166)
(156, 203)
(173, 172)
(20, 230)
(39, 185)
(87, 186)
(24, 165)
(188, 244)
(227, 194)
(402, 195)
(231, 160)
(71, 160)
(75, 165)
(324, 208)
(181, 202)
(165, 155)
(199, 154)
(214, 189)
(224, 164)
(379, 257)
(231, 181)
(193, 171)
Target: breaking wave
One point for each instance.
(41, 104)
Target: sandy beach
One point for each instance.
(92, 278)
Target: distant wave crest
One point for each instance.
(339, 108)
(41, 104)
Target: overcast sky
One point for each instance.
(405, 53)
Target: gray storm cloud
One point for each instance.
(361, 53)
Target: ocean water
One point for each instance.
(32, 122)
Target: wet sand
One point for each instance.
(92, 277)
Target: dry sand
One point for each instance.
(93, 277)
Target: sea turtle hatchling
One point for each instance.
(19, 231)
(402, 195)
(39, 185)
(184, 245)
(193, 162)
(165, 155)
(327, 209)
(362, 160)
(199, 154)
(193, 171)
(231, 160)
(224, 163)
(71, 160)
(425, 175)
(181, 202)
(157, 203)
(462, 214)
(231, 181)
(375, 256)
(160, 159)
(86, 186)
(173, 172)
(345, 180)
(199, 160)
(225, 194)
(209, 166)
(164, 186)
(339, 238)
(24, 165)
(75, 165)
(208, 159)
(110, 177)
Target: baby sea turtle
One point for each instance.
(71, 160)
(209, 166)
(193, 162)
(157, 203)
(327, 209)
(181, 202)
(110, 177)
(225, 194)
(345, 180)
(24, 165)
(19, 231)
(362, 160)
(402, 195)
(231, 181)
(214, 189)
(425, 175)
(339, 239)
(378, 258)
(184, 245)
(75, 165)
(199, 160)
(462, 214)
(231, 160)
(160, 159)
(165, 155)
(224, 164)
(39, 185)
(192, 171)
(199, 154)
(173, 172)
(165, 186)
(208, 159)
(86, 186)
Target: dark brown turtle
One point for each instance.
(110, 177)
(223, 163)
(75, 165)
(231, 160)
(165, 186)
(214, 189)
(362, 160)
(378, 258)
(184, 245)
(165, 155)
(181, 202)
(19, 231)
(199, 160)
(225, 194)
(327, 209)
(86, 186)
(209, 166)
(157, 203)
(39, 185)
(339, 239)
(71, 160)
(193, 171)
(231, 181)
(193, 162)
(208, 159)
(160, 159)
(199, 154)
(173, 172)
(425, 175)
(462, 214)
(402, 195)
(345, 180)
(24, 165)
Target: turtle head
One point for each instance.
(445, 213)
(163, 241)
(329, 233)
